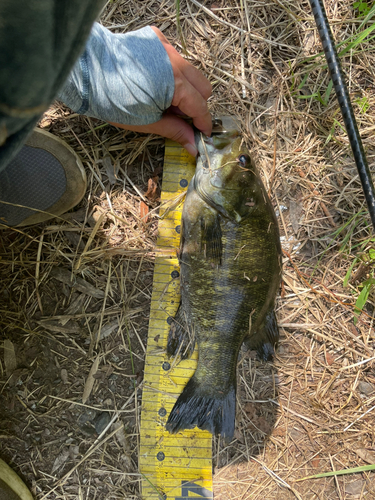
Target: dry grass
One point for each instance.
(301, 415)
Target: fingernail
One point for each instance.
(192, 150)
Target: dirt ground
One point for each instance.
(75, 292)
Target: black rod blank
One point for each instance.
(345, 104)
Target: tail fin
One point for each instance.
(203, 407)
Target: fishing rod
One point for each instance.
(345, 104)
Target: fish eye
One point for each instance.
(244, 160)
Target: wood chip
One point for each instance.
(143, 211)
(152, 189)
(64, 376)
(90, 380)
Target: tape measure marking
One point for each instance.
(174, 467)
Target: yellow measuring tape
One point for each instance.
(173, 467)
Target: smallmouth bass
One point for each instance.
(230, 258)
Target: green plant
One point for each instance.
(316, 95)
(369, 16)
(365, 274)
(352, 43)
(331, 134)
(363, 8)
(354, 470)
(365, 258)
(363, 104)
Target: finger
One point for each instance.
(160, 34)
(195, 77)
(191, 102)
(171, 127)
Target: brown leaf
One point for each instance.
(361, 272)
(65, 276)
(108, 329)
(120, 435)
(366, 388)
(143, 211)
(356, 487)
(75, 240)
(152, 189)
(90, 381)
(60, 460)
(10, 360)
(55, 326)
(330, 359)
(366, 455)
(110, 169)
(295, 212)
(76, 305)
(79, 215)
(238, 435)
(315, 462)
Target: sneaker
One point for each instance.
(44, 180)
(11, 485)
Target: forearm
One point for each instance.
(121, 78)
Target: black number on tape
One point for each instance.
(188, 487)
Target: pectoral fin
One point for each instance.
(181, 339)
(265, 339)
(211, 238)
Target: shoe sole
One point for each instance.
(76, 181)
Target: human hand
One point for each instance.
(192, 89)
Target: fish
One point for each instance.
(230, 272)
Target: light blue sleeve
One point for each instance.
(121, 78)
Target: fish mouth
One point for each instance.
(208, 145)
(224, 124)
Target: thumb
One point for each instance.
(178, 130)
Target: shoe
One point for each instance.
(11, 485)
(44, 180)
